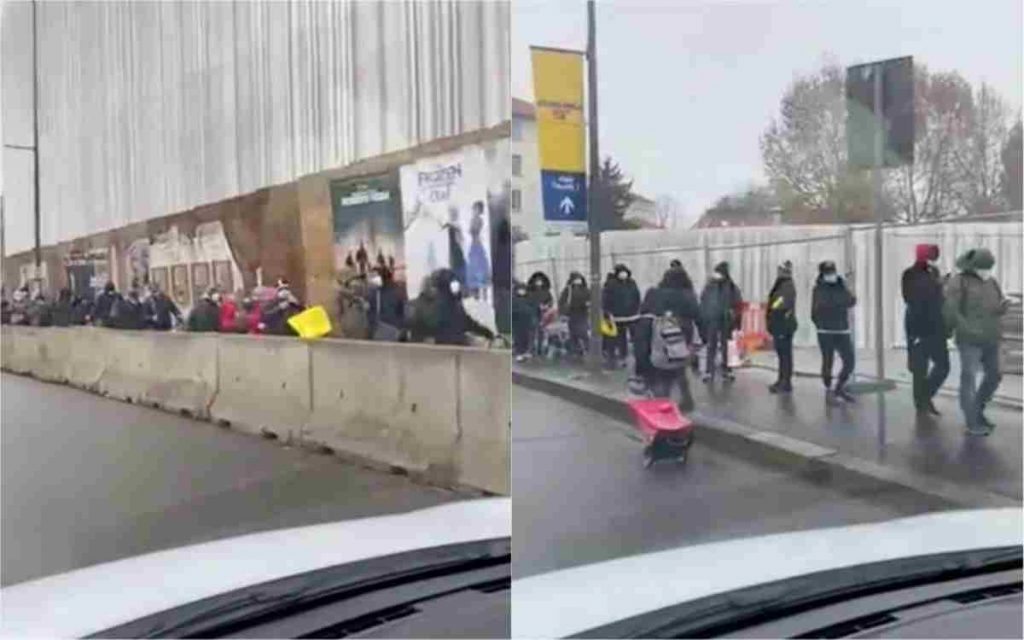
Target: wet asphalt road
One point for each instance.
(88, 480)
(581, 494)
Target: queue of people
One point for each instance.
(965, 306)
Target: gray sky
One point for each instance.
(686, 87)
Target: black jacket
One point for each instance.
(127, 314)
(670, 296)
(104, 303)
(61, 313)
(780, 316)
(621, 298)
(922, 292)
(274, 315)
(81, 309)
(575, 299)
(387, 305)
(539, 290)
(160, 310)
(524, 311)
(830, 305)
(204, 317)
(719, 302)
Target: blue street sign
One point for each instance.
(565, 196)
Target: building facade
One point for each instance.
(527, 205)
(190, 127)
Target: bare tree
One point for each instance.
(1012, 172)
(978, 160)
(668, 211)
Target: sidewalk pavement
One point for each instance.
(807, 362)
(877, 445)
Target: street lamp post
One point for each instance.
(594, 206)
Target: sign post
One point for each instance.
(880, 134)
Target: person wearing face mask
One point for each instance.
(574, 302)
(524, 317)
(719, 316)
(279, 309)
(925, 327)
(781, 323)
(973, 307)
(127, 312)
(205, 316)
(539, 289)
(386, 311)
(620, 298)
(452, 321)
(830, 311)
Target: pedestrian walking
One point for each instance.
(720, 304)
(620, 298)
(205, 315)
(524, 319)
(671, 305)
(689, 328)
(830, 312)
(973, 307)
(780, 320)
(539, 289)
(925, 327)
(574, 303)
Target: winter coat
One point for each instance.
(204, 317)
(275, 315)
(387, 305)
(922, 293)
(40, 313)
(539, 289)
(575, 299)
(620, 298)
(104, 304)
(228, 318)
(451, 322)
(524, 311)
(670, 296)
(160, 310)
(720, 304)
(780, 316)
(61, 313)
(127, 314)
(81, 309)
(974, 307)
(830, 306)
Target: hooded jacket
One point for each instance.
(161, 309)
(104, 304)
(922, 293)
(127, 314)
(205, 316)
(830, 305)
(575, 299)
(780, 315)
(675, 295)
(621, 297)
(452, 321)
(539, 288)
(973, 307)
(720, 301)
(524, 311)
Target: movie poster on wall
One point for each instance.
(367, 219)
(447, 224)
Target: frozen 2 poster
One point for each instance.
(447, 224)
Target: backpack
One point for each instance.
(669, 349)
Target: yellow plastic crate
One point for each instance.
(311, 323)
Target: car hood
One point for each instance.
(571, 601)
(88, 600)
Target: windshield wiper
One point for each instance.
(211, 616)
(721, 614)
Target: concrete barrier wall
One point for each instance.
(441, 413)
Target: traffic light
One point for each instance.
(897, 110)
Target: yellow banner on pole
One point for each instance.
(561, 134)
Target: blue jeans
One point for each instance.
(975, 359)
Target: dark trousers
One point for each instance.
(521, 332)
(718, 340)
(975, 359)
(619, 345)
(830, 343)
(784, 350)
(920, 352)
(538, 338)
(661, 383)
(578, 334)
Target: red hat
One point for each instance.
(926, 252)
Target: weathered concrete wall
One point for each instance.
(441, 413)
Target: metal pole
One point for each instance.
(35, 137)
(594, 212)
(876, 184)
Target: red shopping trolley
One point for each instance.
(667, 433)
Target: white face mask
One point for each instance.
(623, 275)
(984, 274)
(455, 287)
(215, 297)
(934, 263)
(376, 281)
(831, 278)
(716, 276)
